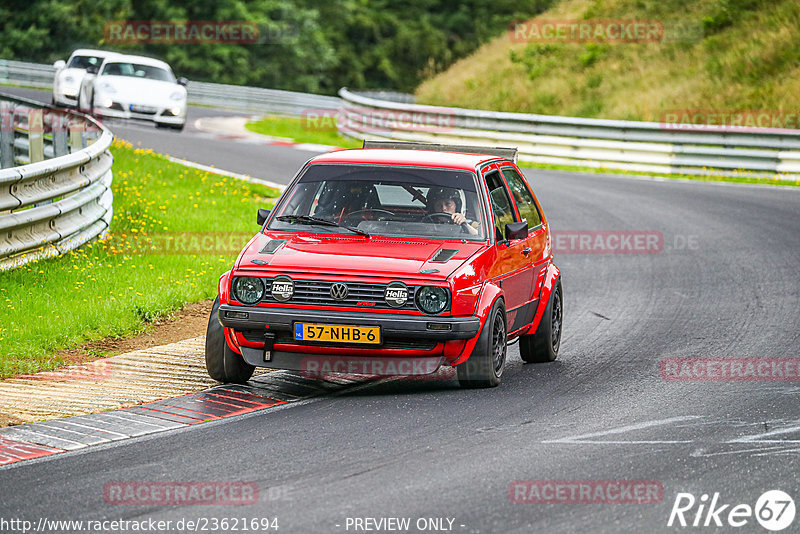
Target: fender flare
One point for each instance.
(223, 288)
(490, 294)
(551, 279)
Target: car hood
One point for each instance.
(76, 75)
(141, 90)
(355, 255)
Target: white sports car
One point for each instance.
(69, 74)
(135, 87)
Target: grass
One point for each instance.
(740, 179)
(727, 55)
(308, 129)
(115, 286)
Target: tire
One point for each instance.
(222, 363)
(543, 345)
(485, 365)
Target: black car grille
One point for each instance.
(359, 295)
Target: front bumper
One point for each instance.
(265, 338)
(156, 113)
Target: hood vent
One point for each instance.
(443, 255)
(272, 246)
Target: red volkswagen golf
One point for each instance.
(394, 259)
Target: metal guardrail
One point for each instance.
(55, 181)
(249, 99)
(628, 145)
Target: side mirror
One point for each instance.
(92, 69)
(262, 216)
(60, 64)
(182, 81)
(517, 230)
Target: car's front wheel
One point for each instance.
(222, 363)
(543, 345)
(484, 368)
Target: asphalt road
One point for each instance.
(724, 285)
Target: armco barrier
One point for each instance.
(248, 99)
(55, 184)
(629, 145)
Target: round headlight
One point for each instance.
(432, 300)
(248, 289)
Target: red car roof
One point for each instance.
(422, 158)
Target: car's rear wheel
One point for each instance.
(543, 345)
(484, 368)
(222, 363)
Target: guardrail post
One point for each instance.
(60, 129)
(76, 139)
(35, 135)
(6, 135)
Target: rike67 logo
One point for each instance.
(774, 511)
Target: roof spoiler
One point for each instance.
(503, 152)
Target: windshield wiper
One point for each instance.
(306, 219)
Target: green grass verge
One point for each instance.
(743, 179)
(303, 130)
(115, 286)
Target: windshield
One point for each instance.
(384, 200)
(136, 70)
(84, 62)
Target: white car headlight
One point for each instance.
(177, 95)
(69, 79)
(107, 88)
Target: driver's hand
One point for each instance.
(458, 218)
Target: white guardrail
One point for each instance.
(629, 145)
(240, 98)
(55, 181)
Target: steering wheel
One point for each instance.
(381, 217)
(440, 215)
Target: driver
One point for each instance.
(448, 200)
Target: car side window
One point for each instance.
(501, 202)
(522, 195)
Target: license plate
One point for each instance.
(142, 109)
(337, 333)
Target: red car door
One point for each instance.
(535, 243)
(512, 269)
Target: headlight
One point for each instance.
(69, 79)
(107, 88)
(177, 95)
(248, 289)
(432, 300)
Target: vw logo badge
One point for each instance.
(339, 291)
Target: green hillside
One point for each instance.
(713, 55)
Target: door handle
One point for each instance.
(527, 250)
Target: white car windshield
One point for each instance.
(84, 62)
(136, 70)
(383, 200)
